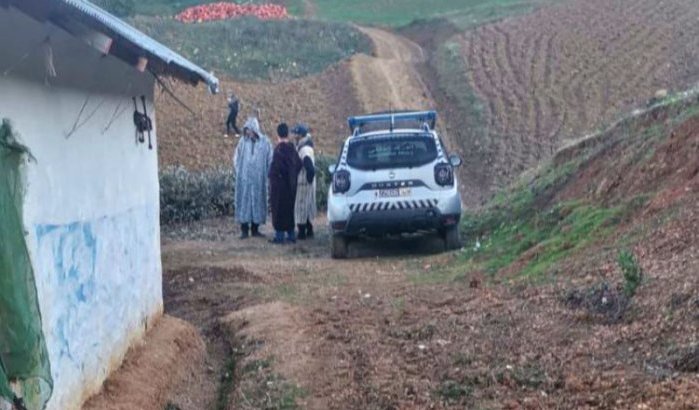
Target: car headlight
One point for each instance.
(341, 181)
(444, 174)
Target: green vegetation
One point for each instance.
(187, 196)
(520, 227)
(463, 13)
(263, 389)
(251, 49)
(190, 196)
(166, 8)
(633, 275)
(454, 392)
(542, 239)
(227, 383)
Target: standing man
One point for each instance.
(232, 120)
(305, 207)
(251, 163)
(283, 174)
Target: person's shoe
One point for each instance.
(256, 231)
(291, 237)
(225, 135)
(244, 235)
(309, 231)
(302, 233)
(244, 231)
(278, 238)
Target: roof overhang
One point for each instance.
(113, 36)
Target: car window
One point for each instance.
(391, 152)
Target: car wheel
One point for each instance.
(452, 239)
(340, 246)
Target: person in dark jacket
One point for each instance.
(232, 120)
(283, 175)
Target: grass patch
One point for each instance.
(252, 49)
(261, 388)
(542, 239)
(453, 392)
(520, 226)
(633, 275)
(464, 13)
(227, 383)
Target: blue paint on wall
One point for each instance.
(102, 280)
(74, 252)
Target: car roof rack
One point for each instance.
(425, 120)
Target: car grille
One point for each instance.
(393, 205)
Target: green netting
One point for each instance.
(24, 362)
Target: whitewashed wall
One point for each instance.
(91, 209)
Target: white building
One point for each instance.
(89, 210)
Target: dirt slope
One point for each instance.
(362, 84)
(567, 70)
(389, 79)
(196, 141)
(154, 371)
(399, 328)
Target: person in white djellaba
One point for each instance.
(305, 210)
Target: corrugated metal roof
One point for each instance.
(140, 40)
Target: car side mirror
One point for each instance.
(332, 168)
(455, 160)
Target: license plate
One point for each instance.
(393, 193)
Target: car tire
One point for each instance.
(340, 247)
(452, 238)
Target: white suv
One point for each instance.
(393, 176)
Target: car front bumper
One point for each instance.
(395, 221)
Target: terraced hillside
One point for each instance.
(569, 69)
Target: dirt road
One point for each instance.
(286, 313)
(394, 328)
(389, 79)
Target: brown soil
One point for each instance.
(389, 80)
(566, 70)
(197, 141)
(397, 329)
(153, 372)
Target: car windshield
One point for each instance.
(391, 152)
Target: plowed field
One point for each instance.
(566, 70)
(197, 141)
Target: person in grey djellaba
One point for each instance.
(251, 163)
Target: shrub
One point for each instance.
(633, 274)
(190, 196)
(187, 196)
(323, 180)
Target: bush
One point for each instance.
(323, 180)
(120, 8)
(190, 196)
(633, 275)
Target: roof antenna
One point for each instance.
(390, 108)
